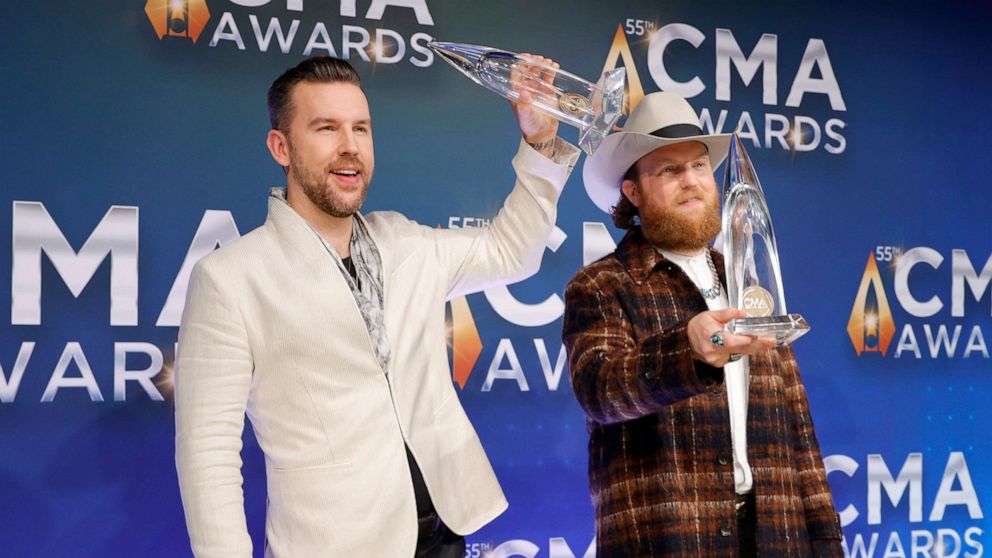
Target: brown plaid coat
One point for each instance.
(660, 464)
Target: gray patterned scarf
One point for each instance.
(369, 287)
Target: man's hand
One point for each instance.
(538, 128)
(702, 327)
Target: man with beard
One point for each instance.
(693, 450)
(327, 327)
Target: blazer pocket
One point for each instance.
(323, 466)
(309, 488)
(308, 500)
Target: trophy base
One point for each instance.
(785, 329)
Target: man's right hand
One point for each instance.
(704, 325)
(538, 128)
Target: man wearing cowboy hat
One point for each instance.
(694, 450)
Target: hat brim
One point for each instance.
(602, 172)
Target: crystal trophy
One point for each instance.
(593, 108)
(754, 278)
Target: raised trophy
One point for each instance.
(593, 108)
(754, 278)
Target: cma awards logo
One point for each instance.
(240, 29)
(178, 18)
(505, 366)
(814, 77)
(872, 327)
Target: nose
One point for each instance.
(347, 144)
(690, 179)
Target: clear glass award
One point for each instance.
(754, 278)
(593, 108)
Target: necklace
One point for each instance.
(714, 291)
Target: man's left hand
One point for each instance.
(706, 326)
(538, 128)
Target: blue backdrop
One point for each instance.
(134, 144)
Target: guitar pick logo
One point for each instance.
(178, 18)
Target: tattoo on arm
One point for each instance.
(542, 146)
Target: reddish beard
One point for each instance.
(670, 229)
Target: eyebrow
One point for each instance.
(324, 120)
(666, 161)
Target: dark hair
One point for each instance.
(624, 213)
(316, 69)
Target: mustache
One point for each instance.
(347, 161)
(694, 194)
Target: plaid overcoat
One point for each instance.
(660, 463)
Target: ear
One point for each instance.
(633, 193)
(278, 146)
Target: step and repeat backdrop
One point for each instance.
(134, 144)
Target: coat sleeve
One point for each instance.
(616, 377)
(822, 522)
(213, 373)
(511, 247)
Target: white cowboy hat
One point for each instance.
(660, 119)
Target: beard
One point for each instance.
(313, 182)
(670, 229)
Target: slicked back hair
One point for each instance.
(316, 69)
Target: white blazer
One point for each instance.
(271, 329)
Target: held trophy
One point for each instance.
(754, 279)
(592, 108)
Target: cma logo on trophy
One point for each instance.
(920, 278)
(178, 18)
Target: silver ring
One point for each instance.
(734, 357)
(717, 338)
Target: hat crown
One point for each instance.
(658, 110)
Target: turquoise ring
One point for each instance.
(717, 339)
